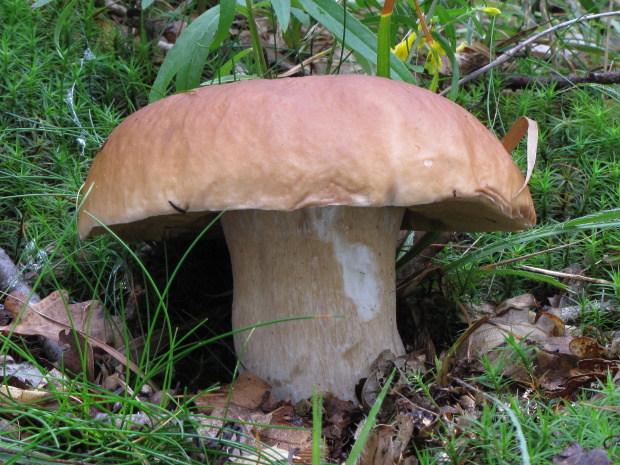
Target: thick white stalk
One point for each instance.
(315, 261)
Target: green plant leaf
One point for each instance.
(188, 56)
(383, 46)
(351, 32)
(283, 12)
(227, 16)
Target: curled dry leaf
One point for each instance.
(386, 444)
(247, 391)
(557, 367)
(512, 317)
(587, 347)
(54, 314)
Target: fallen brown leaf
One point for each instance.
(247, 391)
(54, 314)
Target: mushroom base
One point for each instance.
(317, 261)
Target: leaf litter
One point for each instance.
(246, 423)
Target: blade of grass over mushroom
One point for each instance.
(188, 56)
(524, 125)
(353, 34)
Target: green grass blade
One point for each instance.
(602, 220)
(526, 274)
(454, 87)
(317, 427)
(370, 421)
(62, 23)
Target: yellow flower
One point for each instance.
(491, 11)
(433, 59)
(403, 48)
(462, 46)
(433, 63)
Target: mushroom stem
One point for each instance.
(333, 260)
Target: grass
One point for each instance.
(69, 77)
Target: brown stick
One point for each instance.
(513, 51)
(561, 82)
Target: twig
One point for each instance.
(513, 51)
(559, 274)
(519, 82)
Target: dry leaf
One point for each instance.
(248, 391)
(25, 383)
(576, 454)
(54, 314)
(249, 427)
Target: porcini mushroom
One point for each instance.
(319, 174)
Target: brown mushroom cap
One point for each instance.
(293, 143)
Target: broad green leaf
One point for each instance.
(383, 46)
(187, 57)
(283, 12)
(301, 16)
(146, 3)
(227, 16)
(353, 34)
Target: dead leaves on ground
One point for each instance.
(75, 328)
(247, 413)
(561, 362)
(55, 314)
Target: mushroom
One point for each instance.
(317, 175)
